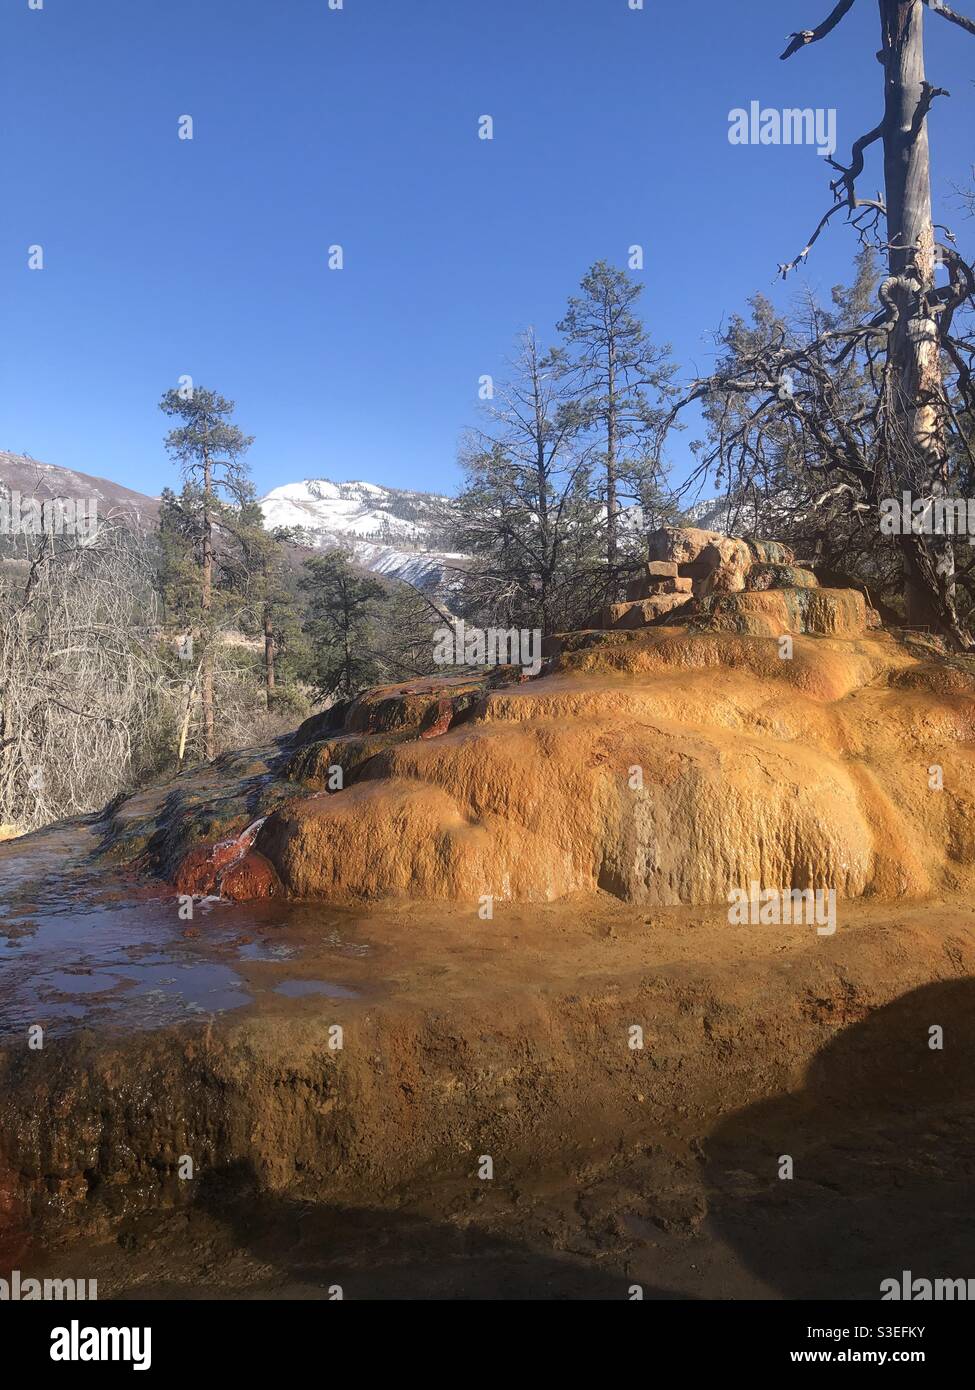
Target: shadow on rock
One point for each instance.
(881, 1140)
(392, 1254)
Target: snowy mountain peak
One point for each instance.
(392, 531)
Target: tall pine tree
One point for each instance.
(209, 450)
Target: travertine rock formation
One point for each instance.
(662, 766)
(718, 564)
(694, 574)
(664, 763)
(773, 612)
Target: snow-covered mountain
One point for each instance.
(392, 531)
(769, 516)
(709, 513)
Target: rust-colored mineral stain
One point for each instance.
(443, 720)
(250, 878)
(14, 1238)
(206, 866)
(199, 871)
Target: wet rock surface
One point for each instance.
(612, 1165)
(287, 979)
(522, 791)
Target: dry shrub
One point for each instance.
(85, 707)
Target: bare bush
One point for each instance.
(84, 704)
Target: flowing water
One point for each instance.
(84, 947)
(360, 1168)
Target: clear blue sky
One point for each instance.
(359, 127)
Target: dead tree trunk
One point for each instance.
(915, 432)
(917, 435)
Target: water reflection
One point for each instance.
(81, 945)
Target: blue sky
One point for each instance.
(359, 127)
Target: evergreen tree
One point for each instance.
(622, 383)
(178, 566)
(209, 450)
(343, 608)
(266, 580)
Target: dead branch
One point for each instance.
(951, 15)
(807, 36)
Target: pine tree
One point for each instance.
(266, 582)
(209, 450)
(343, 608)
(622, 383)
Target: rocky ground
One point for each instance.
(448, 1025)
(613, 1166)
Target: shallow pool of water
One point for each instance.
(297, 989)
(85, 946)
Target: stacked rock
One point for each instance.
(732, 584)
(658, 589)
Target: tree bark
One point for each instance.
(269, 653)
(917, 430)
(206, 605)
(611, 434)
(545, 545)
(185, 726)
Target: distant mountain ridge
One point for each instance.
(31, 478)
(399, 533)
(394, 532)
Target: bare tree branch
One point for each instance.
(928, 94)
(951, 15)
(848, 177)
(814, 35)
